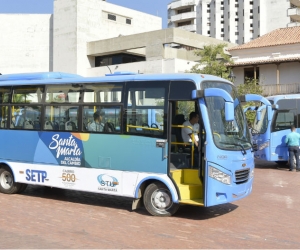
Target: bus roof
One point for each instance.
(37, 76)
(276, 98)
(59, 78)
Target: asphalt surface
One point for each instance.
(54, 218)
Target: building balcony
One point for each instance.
(191, 27)
(181, 3)
(280, 89)
(183, 16)
(295, 2)
(294, 13)
(293, 24)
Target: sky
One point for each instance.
(153, 7)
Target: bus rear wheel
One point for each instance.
(7, 182)
(158, 200)
(282, 163)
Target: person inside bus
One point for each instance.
(97, 124)
(187, 133)
(293, 142)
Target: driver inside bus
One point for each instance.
(97, 124)
(187, 133)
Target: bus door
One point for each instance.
(145, 123)
(217, 109)
(261, 129)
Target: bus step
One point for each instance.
(190, 191)
(194, 202)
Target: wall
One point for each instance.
(25, 42)
(81, 21)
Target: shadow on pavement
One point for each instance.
(122, 203)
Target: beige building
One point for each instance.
(58, 42)
(273, 59)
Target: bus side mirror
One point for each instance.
(229, 111)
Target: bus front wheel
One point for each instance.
(7, 182)
(158, 200)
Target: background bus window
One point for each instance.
(63, 93)
(27, 94)
(25, 117)
(110, 92)
(64, 118)
(284, 120)
(109, 122)
(145, 111)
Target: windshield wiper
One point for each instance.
(236, 144)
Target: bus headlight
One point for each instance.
(252, 173)
(264, 145)
(219, 175)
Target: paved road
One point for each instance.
(53, 218)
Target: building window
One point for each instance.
(111, 17)
(249, 73)
(222, 8)
(237, 33)
(251, 11)
(184, 10)
(208, 11)
(222, 30)
(251, 2)
(236, 19)
(128, 21)
(251, 17)
(208, 32)
(117, 59)
(222, 35)
(184, 23)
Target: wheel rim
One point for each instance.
(161, 199)
(6, 180)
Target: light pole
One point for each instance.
(102, 63)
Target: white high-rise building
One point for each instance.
(236, 21)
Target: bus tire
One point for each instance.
(158, 200)
(282, 163)
(22, 188)
(7, 182)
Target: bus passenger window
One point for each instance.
(25, 117)
(146, 111)
(110, 92)
(63, 94)
(63, 118)
(27, 94)
(104, 119)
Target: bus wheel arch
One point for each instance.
(158, 199)
(7, 181)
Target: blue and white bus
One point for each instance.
(273, 121)
(138, 155)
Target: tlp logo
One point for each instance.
(36, 175)
(107, 180)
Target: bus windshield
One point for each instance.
(233, 135)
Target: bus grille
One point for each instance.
(242, 176)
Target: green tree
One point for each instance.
(213, 61)
(250, 86)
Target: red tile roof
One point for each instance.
(277, 37)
